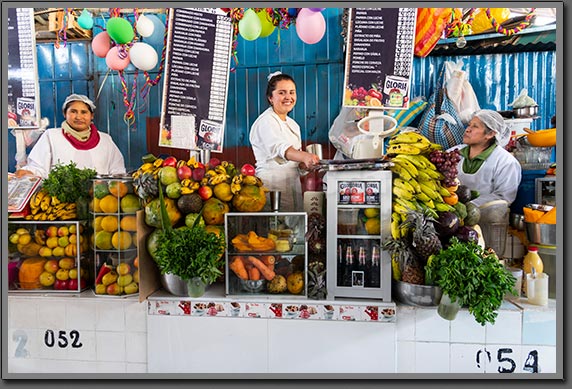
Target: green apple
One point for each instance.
(124, 280)
(47, 279)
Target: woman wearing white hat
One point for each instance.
(78, 141)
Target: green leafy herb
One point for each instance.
(68, 183)
(473, 277)
(190, 252)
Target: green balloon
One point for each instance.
(120, 30)
(267, 26)
(249, 26)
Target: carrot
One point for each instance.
(237, 266)
(253, 274)
(269, 261)
(264, 270)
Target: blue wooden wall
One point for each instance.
(318, 71)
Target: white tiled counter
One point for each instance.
(89, 334)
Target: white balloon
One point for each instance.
(145, 26)
(143, 56)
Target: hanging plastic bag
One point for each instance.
(26, 138)
(344, 129)
(460, 91)
(440, 122)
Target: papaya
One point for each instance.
(214, 210)
(250, 198)
(153, 212)
(29, 274)
(549, 217)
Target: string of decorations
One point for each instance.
(509, 32)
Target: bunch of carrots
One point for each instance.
(252, 268)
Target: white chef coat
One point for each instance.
(53, 148)
(270, 137)
(498, 177)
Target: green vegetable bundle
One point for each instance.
(472, 276)
(68, 183)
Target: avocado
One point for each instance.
(190, 203)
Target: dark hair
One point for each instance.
(273, 81)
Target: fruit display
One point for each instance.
(50, 256)
(429, 205)
(256, 261)
(45, 207)
(113, 209)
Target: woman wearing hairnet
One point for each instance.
(487, 167)
(78, 141)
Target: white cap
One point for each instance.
(82, 98)
(495, 122)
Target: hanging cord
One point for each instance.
(129, 116)
(235, 15)
(459, 27)
(501, 30)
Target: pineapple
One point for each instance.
(425, 240)
(413, 272)
(405, 266)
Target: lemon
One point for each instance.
(121, 240)
(372, 226)
(371, 212)
(109, 223)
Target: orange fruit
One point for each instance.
(452, 199)
(118, 188)
(109, 223)
(128, 223)
(121, 240)
(109, 204)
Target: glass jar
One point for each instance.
(448, 309)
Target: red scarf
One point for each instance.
(89, 144)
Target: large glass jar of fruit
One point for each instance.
(113, 207)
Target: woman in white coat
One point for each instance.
(276, 143)
(78, 141)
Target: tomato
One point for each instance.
(374, 93)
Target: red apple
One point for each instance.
(200, 164)
(247, 170)
(72, 284)
(184, 171)
(61, 285)
(170, 161)
(205, 192)
(214, 162)
(198, 173)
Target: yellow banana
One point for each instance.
(443, 207)
(181, 162)
(186, 190)
(413, 171)
(158, 162)
(395, 231)
(249, 180)
(45, 203)
(430, 183)
(210, 173)
(434, 174)
(423, 176)
(443, 191)
(422, 197)
(195, 185)
(408, 204)
(408, 137)
(237, 179)
(400, 209)
(54, 201)
(418, 160)
(402, 193)
(402, 148)
(429, 203)
(235, 188)
(220, 169)
(186, 182)
(432, 193)
(403, 184)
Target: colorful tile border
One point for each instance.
(307, 310)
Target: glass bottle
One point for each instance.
(375, 267)
(349, 266)
(340, 270)
(531, 261)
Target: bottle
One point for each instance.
(375, 281)
(340, 269)
(349, 267)
(531, 260)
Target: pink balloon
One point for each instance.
(117, 60)
(310, 26)
(101, 44)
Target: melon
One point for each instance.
(29, 274)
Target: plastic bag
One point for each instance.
(460, 91)
(344, 129)
(26, 138)
(523, 100)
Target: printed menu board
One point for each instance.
(197, 66)
(23, 104)
(379, 57)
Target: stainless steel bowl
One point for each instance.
(516, 221)
(174, 284)
(540, 233)
(253, 286)
(526, 112)
(417, 295)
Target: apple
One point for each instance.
(170, 161)
(184, 172)
(136, 276)
(73, 284)
(51, 266)
(214, 162)
(63, 231)
(72, 228)
(66, 263)
(45, 251)
(63, 274)
(124, 280)
(61, 285)
(52, 231)
(52, 242)
(47, 279)
(100, 289)
(63, 241)
(73, 273)
(198, 173)
(136, 262)
(247, 170)
(114, 289)
(205, 192)
(58, 251)
(123, 268)
(131, 288)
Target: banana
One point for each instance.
(403, 173)
(235, 188)
(434, 174)
(413, 171)
(400, 209)
(420, 161)
(429, 203)
(395, 231)
(430, 183)
(402, 193)
(403, 184)
(45, 203)
(40, 237)
(421, 146)
(432, 193)
(237, 179)
(422, 197)
(195, 185)
(415, 184)
(249, 180)
(158, 162)
(408, 204)
(54, 201)
(186, 182)
(210, 173)
(423, 176)
(181, 162)
(408, 137)
(443, 207)
(402, 148)
(443, 191)
(204, 181)
(220, 169)
(186, 190)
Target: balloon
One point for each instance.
(249, 26)
(292, 11)
(101, 44)
(158, 35)
(116, 60)
(143, 56)
(316, 9)
(120, 30)
(266, 22)
(310, 26)
(85, 20)
(145, 26)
